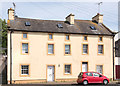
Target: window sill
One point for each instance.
(25, 53)
(24, 75)
(50, 54)
(85, 54)
(67, 54)
(67, 74)
(100, 54)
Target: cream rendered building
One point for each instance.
(49, 50)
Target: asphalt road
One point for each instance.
(60, 85)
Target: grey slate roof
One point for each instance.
(80, 26)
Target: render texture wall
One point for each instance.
(38, 58)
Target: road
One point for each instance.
(61, 85)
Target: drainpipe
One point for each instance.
(113, 58)
(11, 56)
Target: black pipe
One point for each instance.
(11, 56)
(113, 59)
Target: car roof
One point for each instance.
(89, 72)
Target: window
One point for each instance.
(100, 49)
(96, 74)
(67, 37)
(50, 36)
(24, 35)
(85, 38)
(89, 74)
(24, 48)
(99, 69)
(50, 48)
(80, 75)
(67, 49)
(92, 28)
(59, 26)
(85, 48)
(68, 69)
(27, 24)
(24, 69)
(100, 39)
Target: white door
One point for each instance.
(84, 67)
(50, 73)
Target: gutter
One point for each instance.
(62, 32)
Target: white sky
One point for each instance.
(59, 10)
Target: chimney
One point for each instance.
(10, 14)
(70, 19)
(98, 18)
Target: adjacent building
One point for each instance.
(51, 50)
(117, 59)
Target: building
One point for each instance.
(50, 50)
(117, 59)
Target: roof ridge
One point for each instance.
(39, 19)
(81, 20)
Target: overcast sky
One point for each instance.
(59, 10)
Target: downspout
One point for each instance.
(113, 58)
(11, 56)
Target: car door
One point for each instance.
(97, 78)
(90, 77)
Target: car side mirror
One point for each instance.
(100, 76)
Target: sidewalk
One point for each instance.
(55, 83)
(115, 82)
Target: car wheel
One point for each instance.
(105, 82)
(85, 82)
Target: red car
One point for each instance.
(92, 77)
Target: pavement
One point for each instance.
(112, 83)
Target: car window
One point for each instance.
(80, 74)
(96, 74)
(89, 74)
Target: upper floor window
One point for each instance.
(100, 49)
(85, 48)
(25, 36)
(24, 69)
(67, 49)
(85, 38)
(50, 49)
(67, 69)
(100, 39)
(24, 48)
(67, 37)
(50, 36)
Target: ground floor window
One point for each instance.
(67, 68)
(24, 69)
(99, 69)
